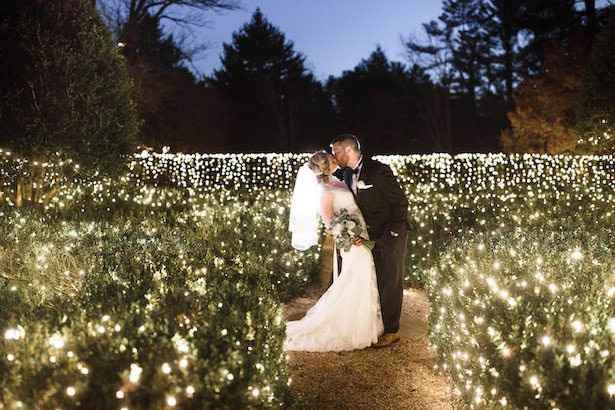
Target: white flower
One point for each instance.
(362, 185)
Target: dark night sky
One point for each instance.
(334, 35)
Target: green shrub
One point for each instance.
(66, 93)
(97, 297)
(234, 209)
(526, 318)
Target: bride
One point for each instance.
(348, 315)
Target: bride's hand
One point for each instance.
(358, 242)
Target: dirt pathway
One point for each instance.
(397, 377)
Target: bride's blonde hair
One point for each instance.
(320, 164)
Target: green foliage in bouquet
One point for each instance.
(347, 228)
(525, 318)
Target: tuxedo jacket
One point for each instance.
(384, 205)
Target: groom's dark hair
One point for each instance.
(349, 139)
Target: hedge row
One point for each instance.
(146, 308)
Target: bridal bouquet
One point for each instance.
(346, 229)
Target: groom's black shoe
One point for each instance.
(387, 339)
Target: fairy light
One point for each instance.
(135, 373)
(56, 341)
(577, 326)
(14, 333)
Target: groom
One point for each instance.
(385, 208)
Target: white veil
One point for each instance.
(305, 210)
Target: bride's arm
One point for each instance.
(326, 208)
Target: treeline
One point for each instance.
(487, 75)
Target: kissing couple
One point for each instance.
(362, 307)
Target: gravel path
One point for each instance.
(396, 377)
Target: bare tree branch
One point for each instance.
(125, 17)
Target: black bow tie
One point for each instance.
(340, 172)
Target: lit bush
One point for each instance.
(234, 208)
(526, 319)
(145, 311)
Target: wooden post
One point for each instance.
(18, 198)
(326, 261)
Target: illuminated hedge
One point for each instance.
(447, 194)
(456, 202)
(526, 319)
(152, 309)
(435, 172)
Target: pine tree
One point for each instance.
(381, 100)
(597, 109)
(458, 50)
(502, 28)
(545, 22)
(266, 82)
(156, 66)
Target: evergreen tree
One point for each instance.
(457, 42)
(381, 101)
(65, 87)
(502, 28)
(597, 109)
(459, 52)
(545, 22)
(273, 98)
(128, 19)
(162, 81)
(156, 48)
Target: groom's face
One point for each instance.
(340, 154)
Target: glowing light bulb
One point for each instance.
(56, 341)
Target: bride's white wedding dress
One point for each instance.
(348, 315)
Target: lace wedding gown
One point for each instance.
(348, 315)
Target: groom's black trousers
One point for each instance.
(390, 260)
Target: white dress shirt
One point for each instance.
(355, 177)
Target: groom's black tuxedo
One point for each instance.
(385, 208)
(384, 205)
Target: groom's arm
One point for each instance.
(396, 200)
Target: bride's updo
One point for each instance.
(320, 164)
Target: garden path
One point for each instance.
(396, 377)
